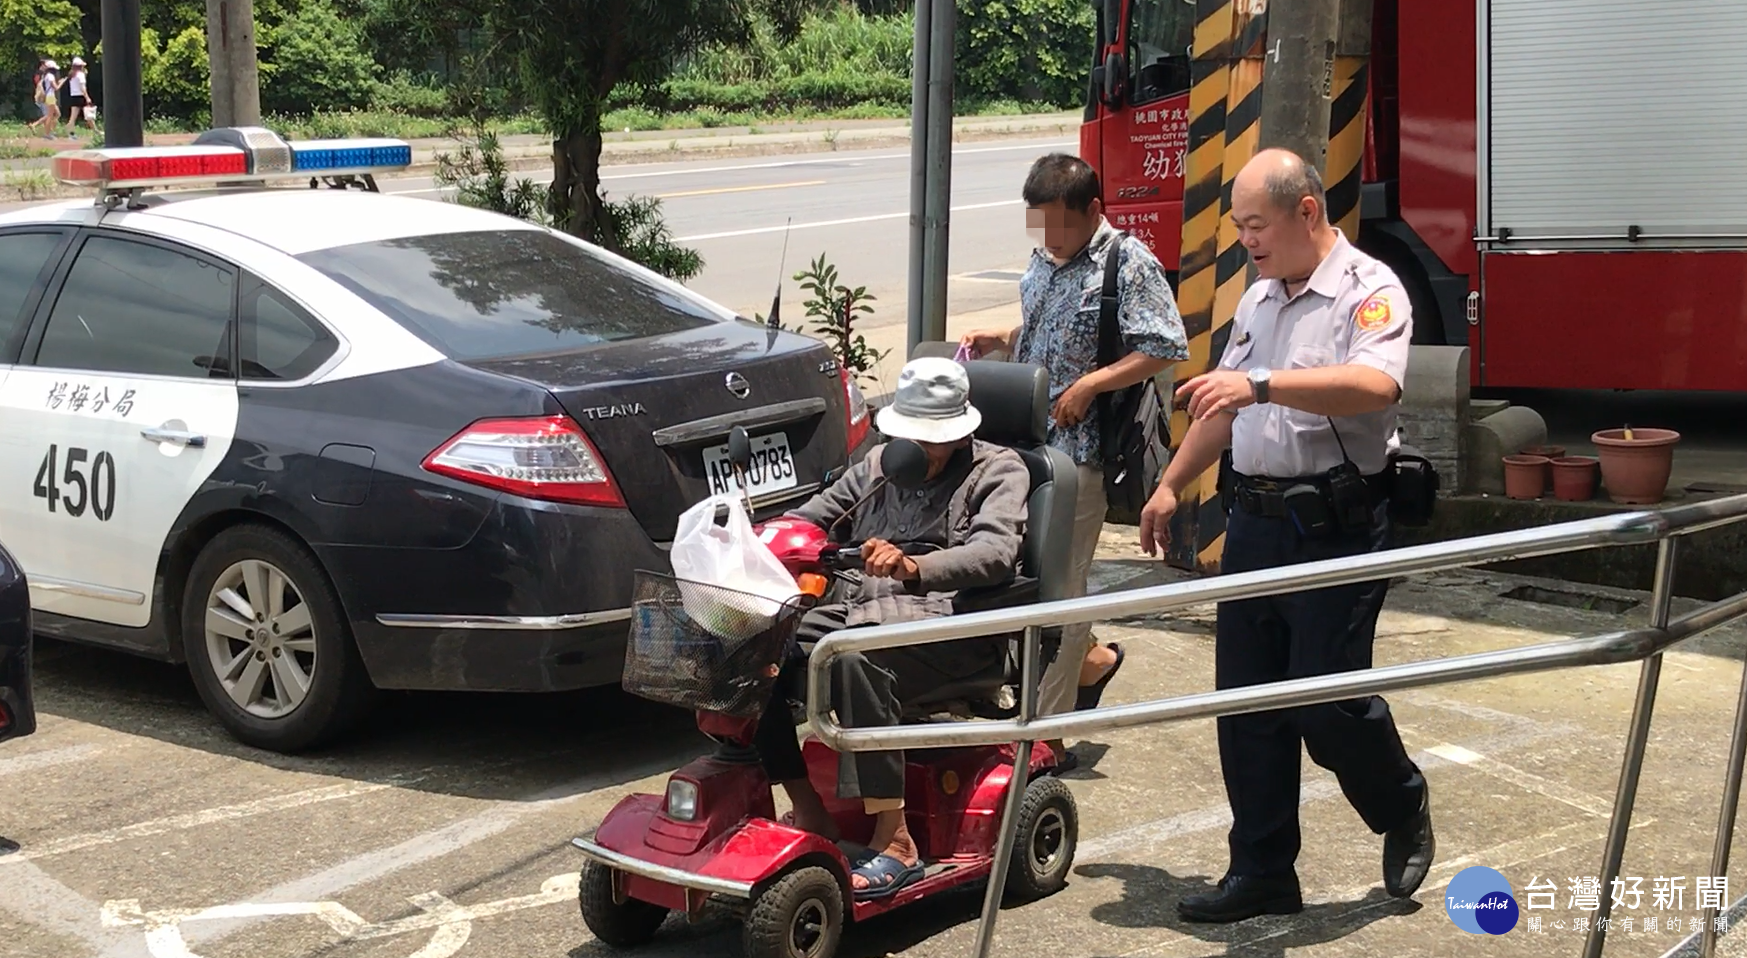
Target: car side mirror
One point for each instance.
(1114, 70)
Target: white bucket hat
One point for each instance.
(932, 403)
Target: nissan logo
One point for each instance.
(738, 385)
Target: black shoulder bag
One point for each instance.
(1133, 424)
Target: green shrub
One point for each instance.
(1032, 50)
(403, 94)
(319, 61)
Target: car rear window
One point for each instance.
(496, 294)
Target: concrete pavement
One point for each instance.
(142, 831)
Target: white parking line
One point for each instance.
(1525, 780)
(1139, 838)
(208, 816)
(47, 758)
(451, 923)
(33, 896)
(439, 842)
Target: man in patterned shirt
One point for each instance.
(1059, 298)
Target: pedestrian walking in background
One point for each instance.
(80, 104)
(1060, 297)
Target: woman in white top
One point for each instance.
(79, 101)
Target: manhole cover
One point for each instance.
(1571, 600)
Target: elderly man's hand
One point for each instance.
(881, 558)
(1223, 390)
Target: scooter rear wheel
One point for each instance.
(800, 916)
(1043, 851)
(625, 924)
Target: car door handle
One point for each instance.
(177, 436)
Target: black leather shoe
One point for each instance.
(1408, 850)
(1244, 896)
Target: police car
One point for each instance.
(315, 440)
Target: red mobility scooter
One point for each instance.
(715, 835)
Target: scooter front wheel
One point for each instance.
(800, 916)
(625, 924)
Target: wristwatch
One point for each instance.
(1259, 383)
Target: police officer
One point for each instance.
(1305, 397)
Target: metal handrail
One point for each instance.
(1647, 644)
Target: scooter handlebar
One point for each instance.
(848, 557)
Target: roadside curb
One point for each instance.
(526, 157)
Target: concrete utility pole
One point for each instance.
(1298, 77)
(236, 75)
(931, 104)
(121, 95)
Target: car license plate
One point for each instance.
(772, 468)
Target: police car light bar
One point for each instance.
(230, 154)
(148, 166)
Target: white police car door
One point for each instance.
(120, 406)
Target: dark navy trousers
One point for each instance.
(1293, 636)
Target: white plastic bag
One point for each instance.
(730, 557)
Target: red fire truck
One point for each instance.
(1572, 205)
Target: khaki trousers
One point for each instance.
(1061, 681)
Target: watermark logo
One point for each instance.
(1480, 901)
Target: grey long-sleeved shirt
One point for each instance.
(975, 511)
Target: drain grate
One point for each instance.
(1571, 600)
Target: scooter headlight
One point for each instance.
(682, 800)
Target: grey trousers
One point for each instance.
(867, 691)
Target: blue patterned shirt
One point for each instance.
(1060, 327)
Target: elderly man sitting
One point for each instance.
(971, 510)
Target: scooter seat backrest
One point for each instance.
(1014, 401)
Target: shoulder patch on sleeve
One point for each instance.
(1374, 313)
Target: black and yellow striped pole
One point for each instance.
(1348, 111)
(1224, 116)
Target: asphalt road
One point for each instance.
(851, 206)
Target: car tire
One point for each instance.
(307, 684)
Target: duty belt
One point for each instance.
(1266, 495)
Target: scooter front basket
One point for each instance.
(704, 647)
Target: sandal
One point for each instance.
(1090, 695)
(886, 876)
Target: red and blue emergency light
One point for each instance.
(231, 153)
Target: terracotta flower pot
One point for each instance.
(1551, 452)
(1525, 477)
(1636, 470)
(1574, 478)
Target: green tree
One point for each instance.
(1032, 50)
(33, 28)
(318, 61)
(572, 54)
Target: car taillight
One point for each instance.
(5, 717)
(546, 457)
(859, 421)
